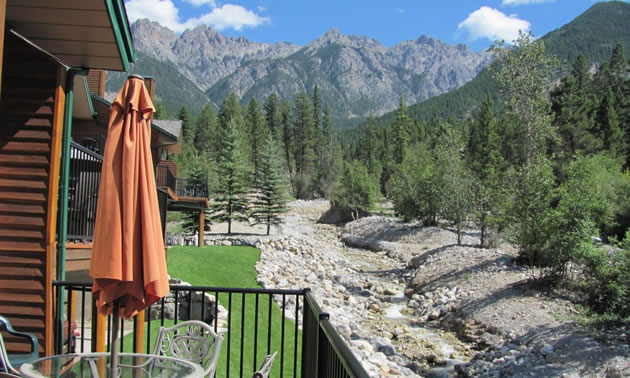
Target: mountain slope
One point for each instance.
(355, 74)
(173, 88)
(594, 33)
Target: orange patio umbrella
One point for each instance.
(128, 263)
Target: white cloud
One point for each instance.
(162, 11)
(492, 24)
(228, 16)
(524, 2)
(399, 10)
(211, 3)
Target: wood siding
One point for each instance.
(27, 114)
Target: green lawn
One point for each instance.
(220, 266)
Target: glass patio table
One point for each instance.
(132, 365)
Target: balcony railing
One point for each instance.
(166, 178)
(192, 188)
(306, 342)
(85, 176)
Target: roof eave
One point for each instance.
(122, 32)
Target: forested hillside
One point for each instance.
(593, 34)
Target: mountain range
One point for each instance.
(356, 74)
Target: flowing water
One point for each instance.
(390, 273)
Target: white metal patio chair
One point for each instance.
(265, 367)
(5, 364)
(193, 341)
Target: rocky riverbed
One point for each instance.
(410, 302)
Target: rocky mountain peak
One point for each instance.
(358, 73)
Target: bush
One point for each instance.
(356, 190)
(608, 280)
(414, 188)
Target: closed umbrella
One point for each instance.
(128, 263)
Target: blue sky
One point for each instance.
(473, 22)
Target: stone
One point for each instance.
(387, 350)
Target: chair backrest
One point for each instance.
(265, 367)
(16, 359)
(193, 341)
(5, 365)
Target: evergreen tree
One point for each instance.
(272, 116)
(368, 145)
(230, 202)
(188, 130)
(257, 132)
(286, 129)
(401, 126)
(573, 117)
(196, 178)
(579, 71)
(329, 162)
(229, 116)
(303, 145)
(205, 125)
(609, 127)
(487, 165)
(271, 188)
(160, 110)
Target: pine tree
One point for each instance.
(188, 130)
(573, 111)
(230, 202)
(272, 116)
(229, 116)
(329, 158)
(257, 132)
(487, 164)
(401, 126)
(271, 188)
(368, 145)
(160, 110)
(609, 127)
(303, 145)
(580, 72)
(286, 129)
(205, 124)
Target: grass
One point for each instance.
(222, 266)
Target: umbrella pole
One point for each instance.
(113, 362)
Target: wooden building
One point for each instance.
(46, 48)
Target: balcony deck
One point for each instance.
(307, 343)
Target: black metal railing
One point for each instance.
(192, 188)
(258, 322)
(92, 141)
(84, 180)
(166, 178)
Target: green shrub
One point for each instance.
(608, 280)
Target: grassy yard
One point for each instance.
(234, 267)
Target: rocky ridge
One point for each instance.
(356, 74)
